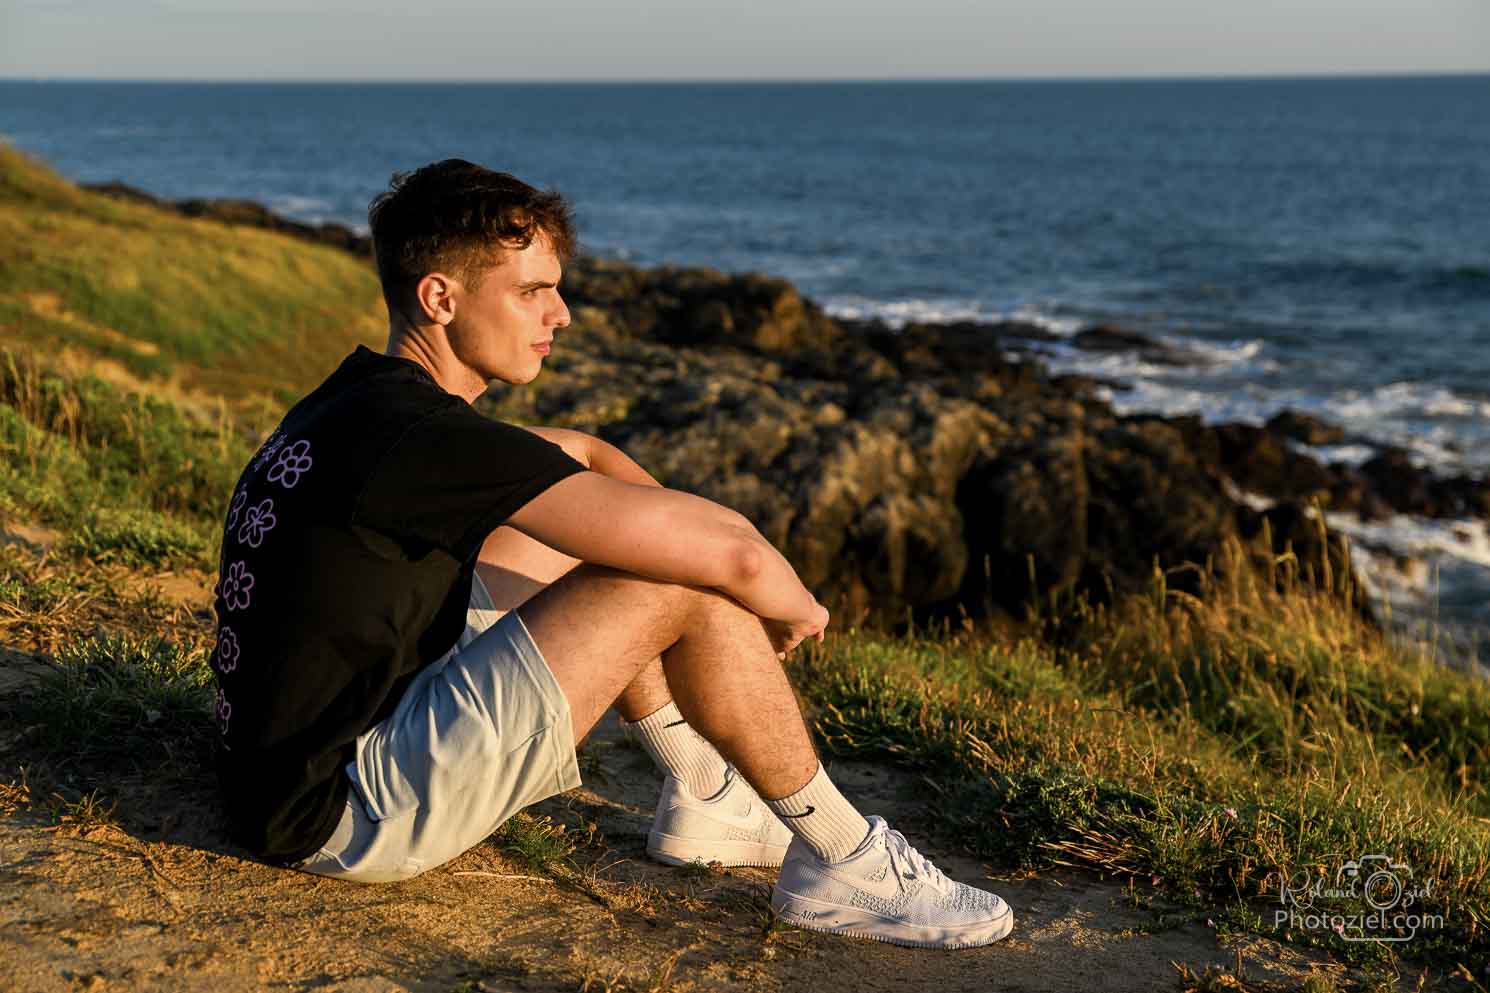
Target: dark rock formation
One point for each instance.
(1305, 428)
(247, 213)
(1107, 338)
(924, 468)
(1258, 460)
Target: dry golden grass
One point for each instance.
(236, 310)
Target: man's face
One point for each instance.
(498, 327)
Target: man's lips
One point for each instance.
(543, 346)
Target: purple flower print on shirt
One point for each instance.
(227, 649)
(224, 710)
(237, 585)
(259, 521)
(271, 447)
(239, 499)
(291, 464)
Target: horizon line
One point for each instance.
(776, 81)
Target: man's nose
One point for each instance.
(561, 319)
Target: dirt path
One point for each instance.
(176, 909)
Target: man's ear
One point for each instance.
(435, 295)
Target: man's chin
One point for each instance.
(515, 375)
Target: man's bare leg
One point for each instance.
(713, 634)
(514, 567)
(600, 628)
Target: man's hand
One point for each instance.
(787, 635)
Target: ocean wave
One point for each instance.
(1429, 577)
(1415, 399)
(1235, 380)
(1352, 454)
(1440, 428)
(1424, 574)
(1467, 540)
(296, 205)
(899, 313)
(1177, 386)
(1223, 353)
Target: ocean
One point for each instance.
(1319, 244)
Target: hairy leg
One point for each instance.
(514, 568)
(600, 629)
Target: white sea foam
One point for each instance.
(312, 210)
(1415, 399)
(1065, 326)
(1236, 383)
(1430, 578)
(1222, 353)
(1349, 454)
(1441, 595)
(1466, 539)
(899, 313)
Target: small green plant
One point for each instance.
(1319, 982)
(536, 843)
(138, 539)
(119, 697)
(697, 869)
(85, 813)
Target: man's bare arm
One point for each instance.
(593, 453)
(667, 535)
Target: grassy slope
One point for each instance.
(1199, 747)
(238, 310)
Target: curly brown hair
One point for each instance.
(457, 217)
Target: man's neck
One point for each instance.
(428, 348)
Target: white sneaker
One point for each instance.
(732, 827)
(888, 891)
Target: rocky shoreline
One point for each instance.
(935, 469)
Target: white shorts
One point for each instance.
(476, 737)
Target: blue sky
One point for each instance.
(739, 39)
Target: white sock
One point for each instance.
(820, 816)
(680, 751)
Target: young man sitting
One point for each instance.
(380, 714)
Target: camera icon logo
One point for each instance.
(1379, 879)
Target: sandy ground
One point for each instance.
(177, 908)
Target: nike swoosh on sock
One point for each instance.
(810, 809)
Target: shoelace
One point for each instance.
(902, 853)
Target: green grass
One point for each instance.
(119, 697)
(1280, 675)
(1042, 757)
(535, 843)
(126, 475)
(238, 308)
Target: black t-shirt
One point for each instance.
(346, 567)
